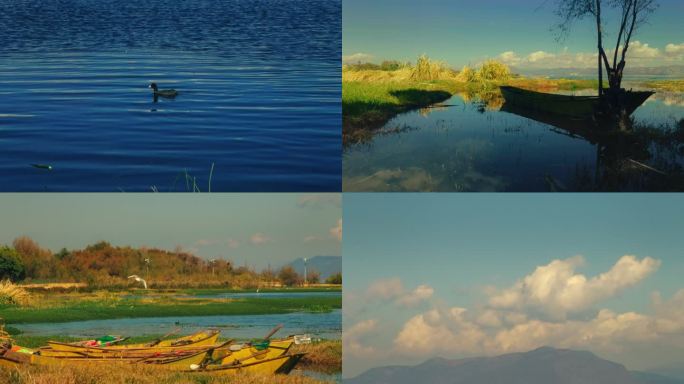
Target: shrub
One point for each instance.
(11, 266)
(493, 70)
(13, 294)
(334, 279)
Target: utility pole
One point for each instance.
(305, 281)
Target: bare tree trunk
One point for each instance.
(600, 42)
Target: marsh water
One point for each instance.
(325, 325)
(258, 82)
(465, 144)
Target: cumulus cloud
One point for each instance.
(557, 290)
(353, 336)
(357, 58)
(336, 231)
(259, 239)
(510, 321)
(440, 331)
(674, 49)
(421, 293)
(640, 54)
(393, 290)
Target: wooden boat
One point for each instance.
(202, 339)
(581, 107)
(228, 355)
(180, 361)
(132, 354)
(277, 365)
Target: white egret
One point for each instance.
(138, 279)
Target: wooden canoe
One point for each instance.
(579, 107)
(199, 340)
(277, 365)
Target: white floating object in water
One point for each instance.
(302, 339)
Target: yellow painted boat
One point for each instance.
(180, 362)
(198, 340)
(133, 354)
(277, 365)
(275, 348)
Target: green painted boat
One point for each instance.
(579, 107)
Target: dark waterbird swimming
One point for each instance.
(166, 93)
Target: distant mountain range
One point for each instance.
(541, 366)
(635, 73)
(325, 265)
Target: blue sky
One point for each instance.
(467, 32)
(418, 259)
(252, 229)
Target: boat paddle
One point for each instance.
(157, 341)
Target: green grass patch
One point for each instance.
(77, 310)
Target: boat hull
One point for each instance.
(578, 107)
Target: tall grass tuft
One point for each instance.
(493, 70)
(428, 70)
(13, 294)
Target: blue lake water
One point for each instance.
(468, 146)
(240, 327)
(259, 84)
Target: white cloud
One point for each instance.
(556, 290)
(259, 239)
(232, 243)
(639, 55)
(336, 231)
(639, 50)
(393, 290)
(385, 289)
(421, 293)
(511, 324)
(674, 49)
(440, 331)
(356, 58)
(539, 55)
(353, 336)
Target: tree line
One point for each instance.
(105, 265)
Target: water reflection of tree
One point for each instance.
(644, 158)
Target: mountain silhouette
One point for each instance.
(541, 366)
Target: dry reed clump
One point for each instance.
(493, 70)
(430, 70)
(123, 373)
(323, 354)
(13, 294)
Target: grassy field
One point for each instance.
(142, 374)
(63, 307)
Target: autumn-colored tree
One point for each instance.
(288, 276)
(38, 262)
(313, 276)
